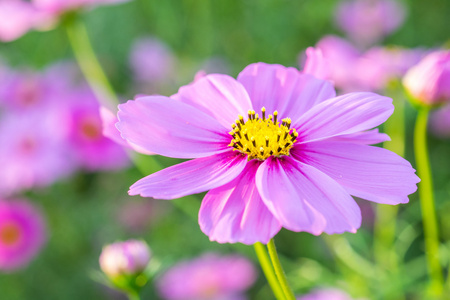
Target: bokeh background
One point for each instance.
(88, 210)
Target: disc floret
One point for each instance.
(261, 137)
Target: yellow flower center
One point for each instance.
(262, 137)
(9, 234)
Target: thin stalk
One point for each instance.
(266, 266)
(386, 215)
(89, 64)
(279, 271)
(426, 195)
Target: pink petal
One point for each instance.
(191, 177)
(171, 128)
(304, 199)
(220, 96)
(365, 137)
(347, 114)
(368, 172)
(316, 64)
(235, 213)
(286, 90)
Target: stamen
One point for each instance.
(263, 110)
(275, 115)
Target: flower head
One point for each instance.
(368, 21)
(276, 148)
(125, 258)
(428, 82)
(22, 233)
(208, 277)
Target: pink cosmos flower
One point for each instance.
(17, 17)
(22, 233)
(326, 294)
(124, 258)
(316, 64)
(151, 60)
(209, 277)
(428, 82)
(368, 21)
(294, 164)
(33, 151)
(92, 150)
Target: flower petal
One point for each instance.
(304, 199)
(220, 96)
(368, 137)
(235, 213)
(191, 177)
(368, 172)
(286, 90)
(350, 113)
(171, 128)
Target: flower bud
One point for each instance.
(124, 258)
(428, 82)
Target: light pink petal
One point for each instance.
(347, 114)
(304, 199)
(171, 128)
(220, 96)
(235, 213)
(16, 18)
(191, 177)
(316, 64)
(369, 137)
(109, 121)
(286, 90)
(371, 173)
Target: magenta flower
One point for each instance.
(316, 64)
(428, 82)
(368, 21)
(124, 258)
(22, 233)
(33, 151)
(326, 294)
(293, 164)
(209, 277)
(16, 18)
(92, 150)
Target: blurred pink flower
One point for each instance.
(316, 64)
(151, 60)
(317, 154)
(17, 17)
(326, 294)
(33, 151)
(428, 82)
(124, 258)
(138, 216)
(92, 150)
(368, 21)
(440, 122)
(351, 70)
(342, 58)
(209, 277)
(22, 233)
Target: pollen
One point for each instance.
(262, 137)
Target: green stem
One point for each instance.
(279, 271)
(133, 296)
(89, 64)
(386, 215)
(430, 226)
(266, 266)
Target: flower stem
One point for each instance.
(266, 266)
(89, 64)
(430, 226)
(289, 295)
